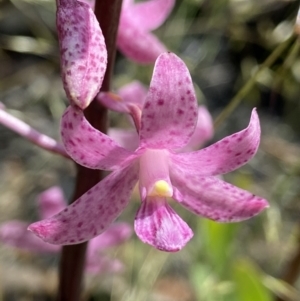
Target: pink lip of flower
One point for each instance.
(14, 233)
(82, 51)
(134, 94)
(168, 120)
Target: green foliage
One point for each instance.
(248, 281)
(207, 286)
(218, 240)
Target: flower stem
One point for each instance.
(73, 256)
(108, 15)
(26, 131)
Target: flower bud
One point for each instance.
(82, 51)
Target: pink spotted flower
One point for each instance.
(130, 99)
(168, 120)
(14, 233)
(137, 20)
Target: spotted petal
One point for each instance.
(169, 115)
(82, 51)
(88, 146)
(213, 198)
(151, 14)
(92, 213)
(136, 44)
(224, 156)
(203, 132)
(51, 201)
(14, 233)
(91, 3)
(158, 225)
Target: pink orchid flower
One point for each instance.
(137, 20)
(168, 120)
(14, 233)
(132, 96)
(134, 38)
(82, 51)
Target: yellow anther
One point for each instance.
(161, 188)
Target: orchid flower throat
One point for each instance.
(154, 180)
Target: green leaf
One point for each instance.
(248, 282)
(208, 287)
(218, 242)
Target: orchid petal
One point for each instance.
(115, 235)
(151, 14)
(133, 93)
(203, 132)
(91, 3)
(158, 225)
(128, 139)
(82, 51)
(169, 115)
(127, 3)
(139, 46)
(224, 156)
(88, 146)
(92, 213)
(14, 233)
(34, 136)
(51, 201)
(213, 198)
(113, 102)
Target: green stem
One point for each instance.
(292, 270)
(271, 59)
(73, 257)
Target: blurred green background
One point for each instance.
(241, 54)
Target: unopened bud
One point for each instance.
(82, 51)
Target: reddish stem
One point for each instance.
(73, 256)
(108, 15)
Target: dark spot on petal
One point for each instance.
(180, 112)
(160, 102)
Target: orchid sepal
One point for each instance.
(83, 52)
